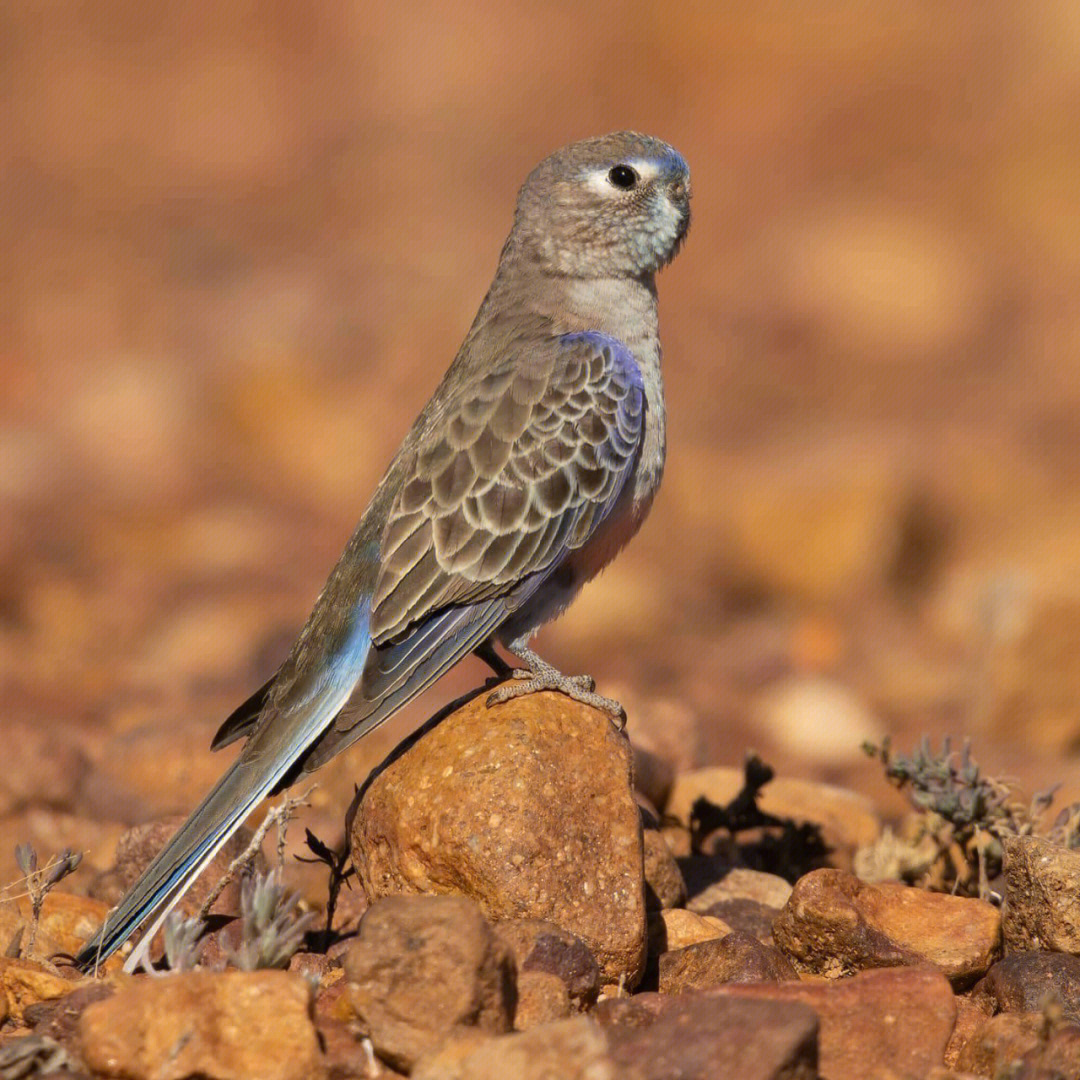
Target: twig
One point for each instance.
(284, 810)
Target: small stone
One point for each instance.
(899, 1019)
(736, 958)
(653, 775)
(1023, 981)
(58, 1018)
(697, 1035)
(677, 928)
(230, 1025)
(969, 1018)
(424, 966)
(544, 947)
(834, 924)
(573, 1049)
(24, 983)
(567, 847)
(739, 883)
(541, 999)
(664, 885)
(1042, 882)
(999, 1042)
(67, 922)
(140, 844)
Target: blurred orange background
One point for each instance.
(240, 244)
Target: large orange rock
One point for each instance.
(230, 1025)
(527, 808)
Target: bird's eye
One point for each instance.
(622, 176)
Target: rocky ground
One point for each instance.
(525, 891)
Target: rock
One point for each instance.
(528, 809)
(346, 1055)
(1023, 981)
(739, 883)
(747, 900)
(541, 999)
(58, 1018)
(818, 719)
(544, 947)
(664, 885)
(1000, 1044)
(848, 821)
(737, 958)
(1042, 882)
(834, 924)
(653, 775)
(230, 1025)
(969, 1018)
(695, 1035)
(898, 1019)
(24, 983)
(138, 846)
(572, 1049)
(67, 921)
(424, 966)
(678, 928)
(448, 1062)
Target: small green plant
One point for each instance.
(183, 940)
(964, 813)
(39, 883)
(271, 929)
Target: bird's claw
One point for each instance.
(578, 687)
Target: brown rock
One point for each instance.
(541, 999)
(695, 1035)
(1042, 882)
(739, 883)
(526, 808)
(1022, 982)
(848, 821)
(448, 1062)
(67, 921)
(24, 983)
(573, 1049)
(678, 928)
(58, 1018)
(969, 1018)
(999, 1043)
(544, 947)
(664, 885)
(230, 1025)
(653, 775)
(424, 966)
(736, 958)
(834, 924)
(138, 846)
(899, 1019)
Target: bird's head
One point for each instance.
(613, 206)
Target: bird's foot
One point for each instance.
(540, 675)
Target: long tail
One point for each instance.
(269, 754)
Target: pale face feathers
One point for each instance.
(613, 206)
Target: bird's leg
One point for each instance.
(486, 652)
(540, 675)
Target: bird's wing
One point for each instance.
(515, 475)
(518, 471)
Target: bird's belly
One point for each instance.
(556, 594)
